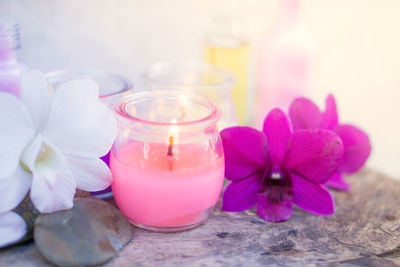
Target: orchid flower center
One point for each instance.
(276, 173)
(42, 157)
(29, 157)
(43, 153)
(276, 184)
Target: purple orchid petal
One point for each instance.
(330, 116)
(314, 154)
(277, 130)
(246, 152)
(357, 148)
(273, 212)
(241, 195)
(312, 197)
(338, 182)
(304, 114)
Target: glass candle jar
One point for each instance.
(167, 160)
(200, 78)
(112, 88)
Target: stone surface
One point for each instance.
(365, 231)
(90, 233)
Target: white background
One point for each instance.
(357, 47)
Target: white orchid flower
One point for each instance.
(50, 143)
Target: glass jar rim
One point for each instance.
(73, 74)
(227, 77)
(212, 116)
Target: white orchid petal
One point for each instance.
(79, 124)
(53, 183)
(48, 198)
(13, 189)
(36, 95)
(32, 151)
(12, 228)
(16, 130)
(90, 174)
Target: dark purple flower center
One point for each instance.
(276, 184)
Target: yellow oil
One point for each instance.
(234, 59)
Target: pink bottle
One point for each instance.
(10, 67)
(285, 62)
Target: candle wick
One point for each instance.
(170, 153)
(171, 144)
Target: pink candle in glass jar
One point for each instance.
(167, 161)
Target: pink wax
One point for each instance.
(154, 190)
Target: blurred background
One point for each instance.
(355, 48)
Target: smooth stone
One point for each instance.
(28, 212)
(90, 233)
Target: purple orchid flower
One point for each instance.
(357, 148)
(276, 167)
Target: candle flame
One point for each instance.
(173, 129)
(173, 132)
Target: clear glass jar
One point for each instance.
(10, 67)
(112, 88)
(198, 77)
(167, 160)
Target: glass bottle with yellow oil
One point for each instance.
(226, 48)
